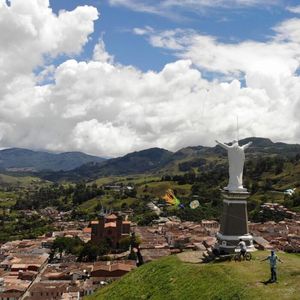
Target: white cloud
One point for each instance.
(137, 5)
(30, 32)
(294, 9)
(264, 65)
(93, 135)
(108, 109)
(289, 31)
(100, 53)
(161, 7)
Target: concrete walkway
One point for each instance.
(194, 257)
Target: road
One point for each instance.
(36, 280)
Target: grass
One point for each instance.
(105, 201)
(7, 195)
(7, 203)
(170, 278)
(145, 185)
(289, 178)
(23, 181)
(135, 179)
(107, 180)
(159, 188)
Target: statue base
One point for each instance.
(235, 190)
(228, 244)
(234, 223)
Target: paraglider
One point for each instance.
(171, 199)
(194, 204)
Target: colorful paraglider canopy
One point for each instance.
(170, 198)
(194, 204)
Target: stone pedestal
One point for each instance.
(234, 222)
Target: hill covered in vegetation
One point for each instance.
(172, 279)
(160, 161)
(193, 173)
(17, 159)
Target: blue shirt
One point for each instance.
(273, 260)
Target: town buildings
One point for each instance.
(27, 273)
(109, 228)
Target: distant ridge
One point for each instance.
(18, 159)
(149, 160)
(161, 161)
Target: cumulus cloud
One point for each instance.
(278, 55)
(289, 31)
(100, 53)
(108, 109)
(168, 8)
(30, 30)
(263, 65)
(294, 9)
(31, 35)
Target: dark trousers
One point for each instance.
(273, 274)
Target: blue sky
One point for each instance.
(228, 24)
(114, 76)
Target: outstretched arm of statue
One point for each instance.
(226, 147)
(247, 145)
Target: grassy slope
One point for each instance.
(159, 188)
(135, 179)
(169, 278)
(287, 179)
(106, 201)
(23, 181)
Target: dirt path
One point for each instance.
(194, 257)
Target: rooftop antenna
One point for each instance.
(237, 128)
(203, 104)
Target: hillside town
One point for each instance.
(27, 270)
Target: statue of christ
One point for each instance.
(236, 159)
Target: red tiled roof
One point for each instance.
(115, 267)
(87, 230)
(110, 224)
(112, 216)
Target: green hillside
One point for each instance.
(158, 162)
(17, 159)
(170, 278)
(18, 180)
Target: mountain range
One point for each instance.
(17, 159)
(160, 161)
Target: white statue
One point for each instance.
(236, 159)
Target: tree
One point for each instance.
(254, 187)
(147, 218)
(68, 245)
(124, 243)
(267, 185)
(91, 251)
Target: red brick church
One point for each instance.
(111, 228)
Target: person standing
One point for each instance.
(243, 248)
(273, 258)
